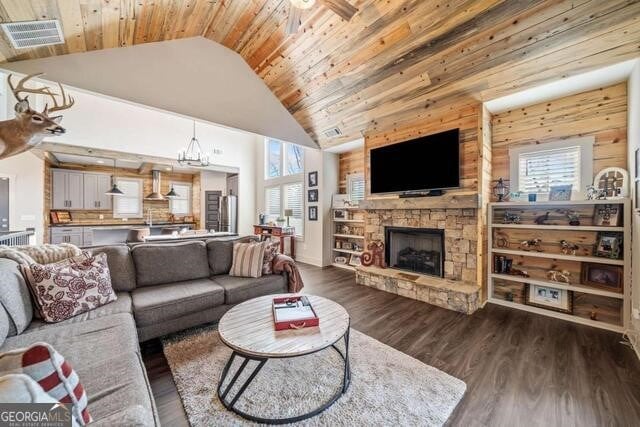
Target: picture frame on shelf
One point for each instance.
(602, 276)
(560, 193)
(312, 196)
(607, 215)
(313, 213)
(340, 201)
(548, 297)
(340, 260)
(312, 179)
(609, 245)
(613, 182)
(339, 214)
(354, 260)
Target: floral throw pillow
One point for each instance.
(270, 251)
(70, 287)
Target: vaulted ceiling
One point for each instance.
(394, 61)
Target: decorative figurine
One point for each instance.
(568, 248)
(510, 218)
(574, 218)
(374, 255)
(534, 244)
(559, 276)
(501, 239)
(542, 219)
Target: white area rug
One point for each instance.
(387, 387)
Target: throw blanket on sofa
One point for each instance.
(41, 254)
(287, 264)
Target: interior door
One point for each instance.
(4, 204)
(212, 210)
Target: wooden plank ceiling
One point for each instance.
(395, 61)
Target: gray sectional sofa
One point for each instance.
(161, 288)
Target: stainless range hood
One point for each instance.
(155, 192)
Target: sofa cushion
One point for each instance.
(70, 287)
(220, 253)
(84, 341)
(123, 272)
(157, 264)
(14, 297)
(118, 390)
(247, 259)
(4, 324)
(170, 301)
(21, 388)
(121, 305)
(239, 289)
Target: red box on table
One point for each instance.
(282, 321)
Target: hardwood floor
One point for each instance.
(520, 368)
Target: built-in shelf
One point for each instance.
(559, 227)
(579, 258)
(558, 315)
(349, 236)
(347, 251)
(361, 221)
(449, 200)
(558, 260)
(559, 285)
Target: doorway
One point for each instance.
(4, 204)
(212, 210)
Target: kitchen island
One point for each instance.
(86, 234)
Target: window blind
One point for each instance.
(130, 204)
(272, 202)
(356, 188)
(293, 199)
(538, 171)
(181, 205)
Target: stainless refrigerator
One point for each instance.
(229, 214)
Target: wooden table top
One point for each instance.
(249, 329)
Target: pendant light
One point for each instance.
(193, 155)
(172, 193)
(115, 191)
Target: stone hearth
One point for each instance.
(459, 289)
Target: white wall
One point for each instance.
(633, 138)
(314, 247)
(26, 189)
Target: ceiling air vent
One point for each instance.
(332, 133)
(28, 34)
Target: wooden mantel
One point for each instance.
(466, 200)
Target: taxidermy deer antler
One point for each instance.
(29, 127)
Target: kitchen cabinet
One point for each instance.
(95, 185)
(73, 235)
(67, 189)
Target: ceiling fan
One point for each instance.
(342, 8)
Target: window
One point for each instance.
(355, 187)
(282, 159)
(130, 204)
(293, 199)
(180, 205)
(537, 168)
(286, 196)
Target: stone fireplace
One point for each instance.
(432, 251)
(418, 250)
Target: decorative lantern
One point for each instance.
(500, 190)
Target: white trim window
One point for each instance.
(180, 205)
(538, 167)
(277, 198)
(282, 159)
(128, 205)
(355, 187)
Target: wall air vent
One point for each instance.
(29, 34)
(332, 133)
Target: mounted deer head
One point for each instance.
(29, 127)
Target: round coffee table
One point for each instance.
(248, 329)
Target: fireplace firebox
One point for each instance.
(419, 250)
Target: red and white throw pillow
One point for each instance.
(270, 251)
(55, 375)
(67, 288)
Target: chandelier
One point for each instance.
(193, 155)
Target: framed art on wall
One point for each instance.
(313, 179)
(313, 213)
(312, 196)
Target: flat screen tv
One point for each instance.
(427, 163)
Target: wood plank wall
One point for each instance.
(350, 163)
(601, 113)
(160, 209)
